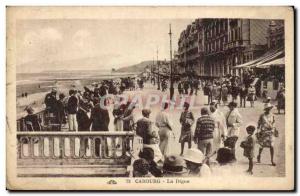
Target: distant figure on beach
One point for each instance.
(25, 94)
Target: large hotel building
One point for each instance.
(214, 47)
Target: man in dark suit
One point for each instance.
(100, 121)
(84, 117)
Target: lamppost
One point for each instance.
(158, 78)
(152, 71)
(171, 67)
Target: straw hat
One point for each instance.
(268, 106)
(194, 155)
(175, 164)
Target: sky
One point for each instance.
(80, 44)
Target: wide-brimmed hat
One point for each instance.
(232, 104)
(174, 164)
(194, 155)
(268, 106)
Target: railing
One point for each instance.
(53, 149)
(67, 147)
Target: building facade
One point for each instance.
(275, 37)
(212, 47)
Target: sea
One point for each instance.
(31, 83)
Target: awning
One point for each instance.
(268, 56)
(246, 64)
(280, 62)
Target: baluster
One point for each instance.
(51, 147)
(114, 147)
(19, 146)
(22, 146)
(93, 147)
(104, 147)
(62, 147)
(41, 147)
(82, 150)
(124, 141)
(72, 147)
(30, 147)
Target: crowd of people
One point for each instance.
(81, 110)
(215, 132)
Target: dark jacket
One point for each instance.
(144, 130)
(243, 92)
(50, 102)
(61, 114)
(100, 118)
(72, 105)
(32, 122)
(248, 146)
(83, 120)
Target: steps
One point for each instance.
(73, 171)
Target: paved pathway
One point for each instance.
(250, 115)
